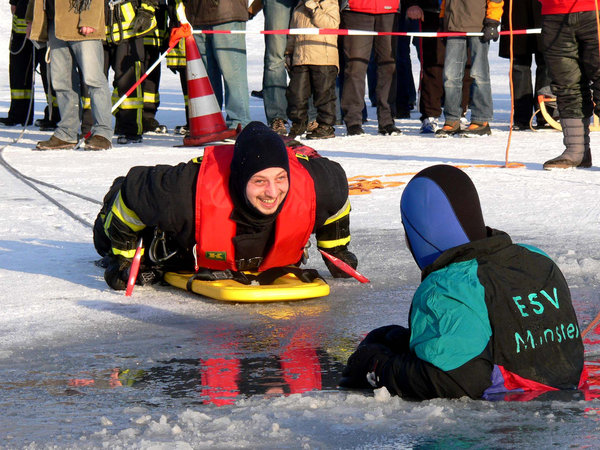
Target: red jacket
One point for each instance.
(566, 6)
(214, 229)
(374, 6)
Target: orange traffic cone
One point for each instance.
(205, 117)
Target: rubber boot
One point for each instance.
(576, 132)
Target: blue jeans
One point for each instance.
(65, 57)
(454, 68)
(224, 56)
(277, 17)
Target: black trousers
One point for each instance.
(357, 51)
(151, 84)
(126, 59)
(318, 81)
(570, 47)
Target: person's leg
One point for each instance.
(523, 90)
(66, 84)
(230, 53)
(481, 89)
(386, 66)
(150, 88)
(20, 70)
(297, 95)
(323, 90)
(356, 51)
(562, 52)
(454, 67)
(277, 14)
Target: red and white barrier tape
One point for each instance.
(340, 32)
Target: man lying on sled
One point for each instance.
(244, 207)
(490, 316)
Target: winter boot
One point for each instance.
(450, 128)
(576, 138)
(297, 129)
(322, 132)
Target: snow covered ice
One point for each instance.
(82, 366)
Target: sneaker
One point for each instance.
(129, 139)
(464, 123)
(355, 130)
(45, 124)
(55, 143)
(520, 126)
(390, 130)
(429, 125)
(152, 126)
(278, 126)
(97, 142)
(312, 125)
(182, 129)
(450, 128)
(322, 132)
(477, 129)
(297, 129)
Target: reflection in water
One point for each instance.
(236, 363)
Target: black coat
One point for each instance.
(526, 14)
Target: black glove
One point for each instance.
(394, 337)
(117, 273)
(490, 30)
(345, 255)
(118, 270)
(367, 359)
(142, 21)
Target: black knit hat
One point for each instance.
(256, 148)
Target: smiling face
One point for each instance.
(267, 189)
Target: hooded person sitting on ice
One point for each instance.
(244, 207)
(489, 317)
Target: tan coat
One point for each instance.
(67, 23)
(310, 49)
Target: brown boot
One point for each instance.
(55, 143)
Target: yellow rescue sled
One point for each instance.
(269, 286)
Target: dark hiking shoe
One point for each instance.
(182, 129)
(55, 143)
(312, 125)
(8, 122)
(257, 94)
(450, 128)
(355, 130)
(129, 139)
(97, 142)
(45, 124)
(477, 129)
(278, 126)
(152, 126)
(297, 129)
(390, 130)
(322, 132)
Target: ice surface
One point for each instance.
(82, 366)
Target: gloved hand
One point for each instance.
(367, 359)
(345, 255)
(116, 273)
(394, 337)
(311, 4)
(142, 21)
(490, 30)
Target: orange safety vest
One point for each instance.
(215, 229)
(374, 6)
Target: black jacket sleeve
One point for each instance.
(332, 222)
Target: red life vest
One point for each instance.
(374, 6)
(215, 230)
